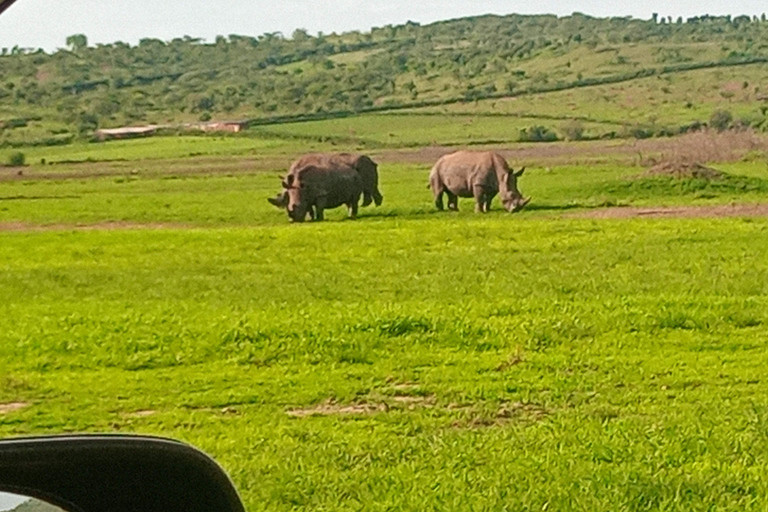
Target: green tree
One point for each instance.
(573, 130)
(77, 42)
(721, 120)
(17, 159)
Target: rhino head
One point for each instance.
(296, 202)
(511, 197)
(280, 200)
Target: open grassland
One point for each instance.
(164, 193)
(466, 362)
(408, 360)
(409, 130)
(667, 100)
(155, 148)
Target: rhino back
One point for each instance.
(460, 172)
(365, 167)
(339, 184)
(369, 172)
(310, 159)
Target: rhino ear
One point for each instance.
(519, 173)
(288, 181)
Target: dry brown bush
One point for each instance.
(682, 170)
(689, 155)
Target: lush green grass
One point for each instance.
(410, 359)
(409, 130)
(241, 199)
(504, 362)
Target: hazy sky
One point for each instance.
(47, 23)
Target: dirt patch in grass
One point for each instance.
(142, 414)
(331, 408)
(414, 401)
(627, 212)
(96, 226)
(372, 406)
(506, 413)
(10, 407)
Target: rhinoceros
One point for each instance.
(367, 168)
(312, 189)
(481, 175)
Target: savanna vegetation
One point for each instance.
(678, 73)
(553, 359)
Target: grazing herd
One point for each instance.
(316, 182)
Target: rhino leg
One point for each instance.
(439, 200)
(436, 184)
(482, 200)
(319, 207)
(377, 197)
(367, 199)
(352, 208)
(453, 201)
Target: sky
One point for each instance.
(47, 23)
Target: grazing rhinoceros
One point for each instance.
(312, 189)
(481, 175)
(367, 168)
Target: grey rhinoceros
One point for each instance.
(366, 168)
(476, 174)
(313, 189)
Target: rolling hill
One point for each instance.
(550, 77)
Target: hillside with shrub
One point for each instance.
(706, 68)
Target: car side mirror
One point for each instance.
(10, 502)
(115, 473)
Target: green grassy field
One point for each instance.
(240, 200)
(674, 100)
(408, 360)
(156, 148)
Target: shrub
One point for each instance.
(720, 120)
(537, 134)
(573, 130)
(638, 131)
(17, 159)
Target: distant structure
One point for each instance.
(128, 132)
(131, 132)
(220, 126)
